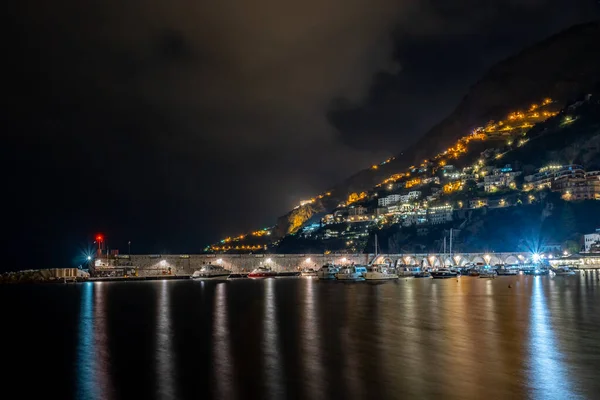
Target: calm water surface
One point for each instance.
(298, 338)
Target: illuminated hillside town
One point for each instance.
(481, 170)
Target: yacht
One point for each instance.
(444, 273)
(262, 272)
(310, 272)
(211, 272)
(563, 270)
(351, 273)
(380, 273)
(327, 272)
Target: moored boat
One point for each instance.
(536, 271)
(506, 271)
(308, 272)
(422, 274)
(262, 272)
(211, 272)
(488, 274)
(444, 273)
(327, 272)
(351, 273)
(380, 273)
(563, 270)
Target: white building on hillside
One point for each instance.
(439, 214)
(389, 200)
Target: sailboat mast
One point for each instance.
(450, 242)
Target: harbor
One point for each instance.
(359, 267)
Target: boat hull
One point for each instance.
(220, 277)
(443, 276)
(377, 276)
(507, 273)
(259, 275)
(349, 277)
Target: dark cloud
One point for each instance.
(174, 123)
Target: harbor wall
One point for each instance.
(184, 264)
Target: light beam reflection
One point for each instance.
(311, 343)
(271, 345)
(93, 361)
(222, 357)
(164, 345)
(548, 374)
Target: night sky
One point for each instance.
(175, 123)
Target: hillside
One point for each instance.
(561, 67)
(501, 103)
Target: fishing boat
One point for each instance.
(351, 273)
(211, 272)
(444, 273)
(262, 272)
(308, 272)
(327, 272)
(380, 273)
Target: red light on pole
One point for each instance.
(99, 238)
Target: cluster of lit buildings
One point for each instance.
(572, 181)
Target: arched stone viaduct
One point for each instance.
(185, 264)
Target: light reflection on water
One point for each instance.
(311, 342)
(223, 374)
(93, 358)
(550, 378)
(416, 338)
(165, 367)
(271, 344)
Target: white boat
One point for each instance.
(380, 273)
(327, 272)
(444, 273)
(351, 273)
(488, 274)
(563, 270)
(506, 271)
(262, 272)
(211, 272)
(310, 272)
